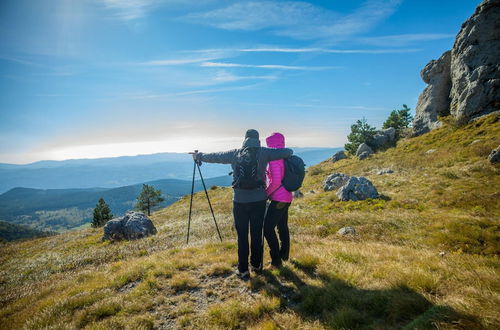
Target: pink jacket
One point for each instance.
(276, 172)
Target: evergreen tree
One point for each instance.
(399, 119)
(361, 132)
(148, 198)
(102, 214)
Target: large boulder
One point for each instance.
(435, 99)
(338, 156)
(475, 64)
(132, 225)
(335, 181)
(464, 82)
(356, 189)
(384, 137)
(363, 147)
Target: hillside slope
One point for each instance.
(392, 275)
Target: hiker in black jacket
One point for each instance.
(249, 200)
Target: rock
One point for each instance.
(434, 100)
(344, 231)
(475, 64)
(356, 189)
(383, 137)
(430, 151)
(335, 181)
(464, 82)
(364, 155)
(442, 254)
(475, 142)
(338, 156)
(385, 171)
(363, 147)
(132, 225)
(298, 194)
(494, 156)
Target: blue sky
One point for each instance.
(95, 78)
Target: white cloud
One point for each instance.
(267, 66)
(330, 51)
(130, 9)
(296, 19)
(404, 39)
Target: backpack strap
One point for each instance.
(275, 190)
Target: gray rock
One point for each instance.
(434, 100)
(344, 231)
(298, 194)
(356, 189)
(385, 171)
(335, 181)
(338, 156)
(475, 142)
(383, 137)
(494, 156)
(132, 225)
(475, 64)
(466, 81)
(364, 155)
(430, 151)
(363, 147)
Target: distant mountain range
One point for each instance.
(119, 171)
(69, 202)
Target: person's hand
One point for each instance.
(196, 156)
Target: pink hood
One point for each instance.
(275, 140)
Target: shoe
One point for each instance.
(271, 267)
(256, 270)
(245, 276)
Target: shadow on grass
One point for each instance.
(339, 305)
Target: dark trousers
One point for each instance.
(277, 217)
(249, 215)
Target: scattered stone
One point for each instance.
(344, 231)
(385, 171)
(132, 225)
(464, 82)
(430, 151)
(442, 253)
(475, 142)
(338, 156)
(298, 194)
(364, 155)
(335, 181)
(494, 156)
(356, 189)
(363, 147)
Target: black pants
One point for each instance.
(277, 217)
(249, 215)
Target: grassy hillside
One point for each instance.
(392, 275)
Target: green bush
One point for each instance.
(361, 132)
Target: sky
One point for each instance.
(104, 78)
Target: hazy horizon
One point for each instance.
(104, 78)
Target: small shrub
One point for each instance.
(307, 262)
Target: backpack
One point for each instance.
(245, 173)
(295, 170)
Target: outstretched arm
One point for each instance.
(274, 154)
(226, 157)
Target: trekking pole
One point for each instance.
(208, 199)
(191, 202)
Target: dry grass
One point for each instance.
(390, 276)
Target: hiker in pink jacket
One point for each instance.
(277, 213)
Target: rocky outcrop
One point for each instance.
(338, 156)
(384, 137)
(132, 225)
(435, 99)
(335, 181)
(364, 148)
(494, 156)
(357, 189)
(464, 82)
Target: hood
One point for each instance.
(251, 142)
(276, 140)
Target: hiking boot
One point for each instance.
(256, 270)
(245, 276)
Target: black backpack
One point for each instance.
(295, 170)
(245, 174)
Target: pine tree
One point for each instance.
(148, 198)
(102, 213)
(399, 119)
(361, 132)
